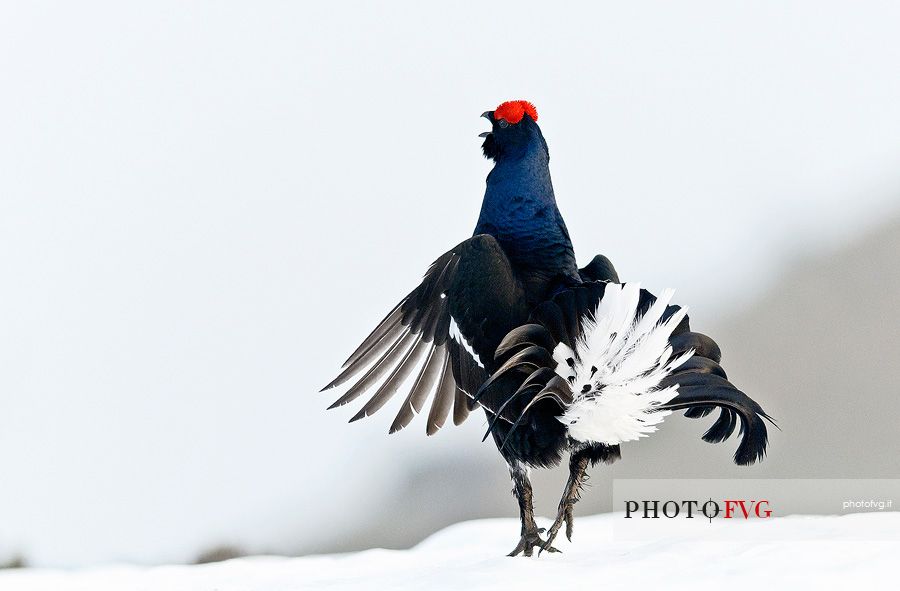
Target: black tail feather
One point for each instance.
(698, 393)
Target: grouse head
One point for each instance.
(513, 129)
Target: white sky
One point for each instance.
(205, 206)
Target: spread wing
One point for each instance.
(444, 332)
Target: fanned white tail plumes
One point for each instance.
(617, 366)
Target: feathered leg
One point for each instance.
(530, 537)
(578, 464)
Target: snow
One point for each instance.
(813, 551)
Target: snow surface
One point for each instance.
(822, 552)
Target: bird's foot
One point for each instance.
(564, 516)
(531, 540)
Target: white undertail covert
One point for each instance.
(616, 368)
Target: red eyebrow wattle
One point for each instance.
(513, 111)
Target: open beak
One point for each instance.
(489, 115)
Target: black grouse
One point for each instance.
(561, 359)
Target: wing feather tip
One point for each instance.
(399, 424)
(329, 386)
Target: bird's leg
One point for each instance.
(578, 464)
(531, 537)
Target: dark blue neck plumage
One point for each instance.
(520, 211)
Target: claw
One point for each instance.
(548, 548)
(564, 516)
(529, 541)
